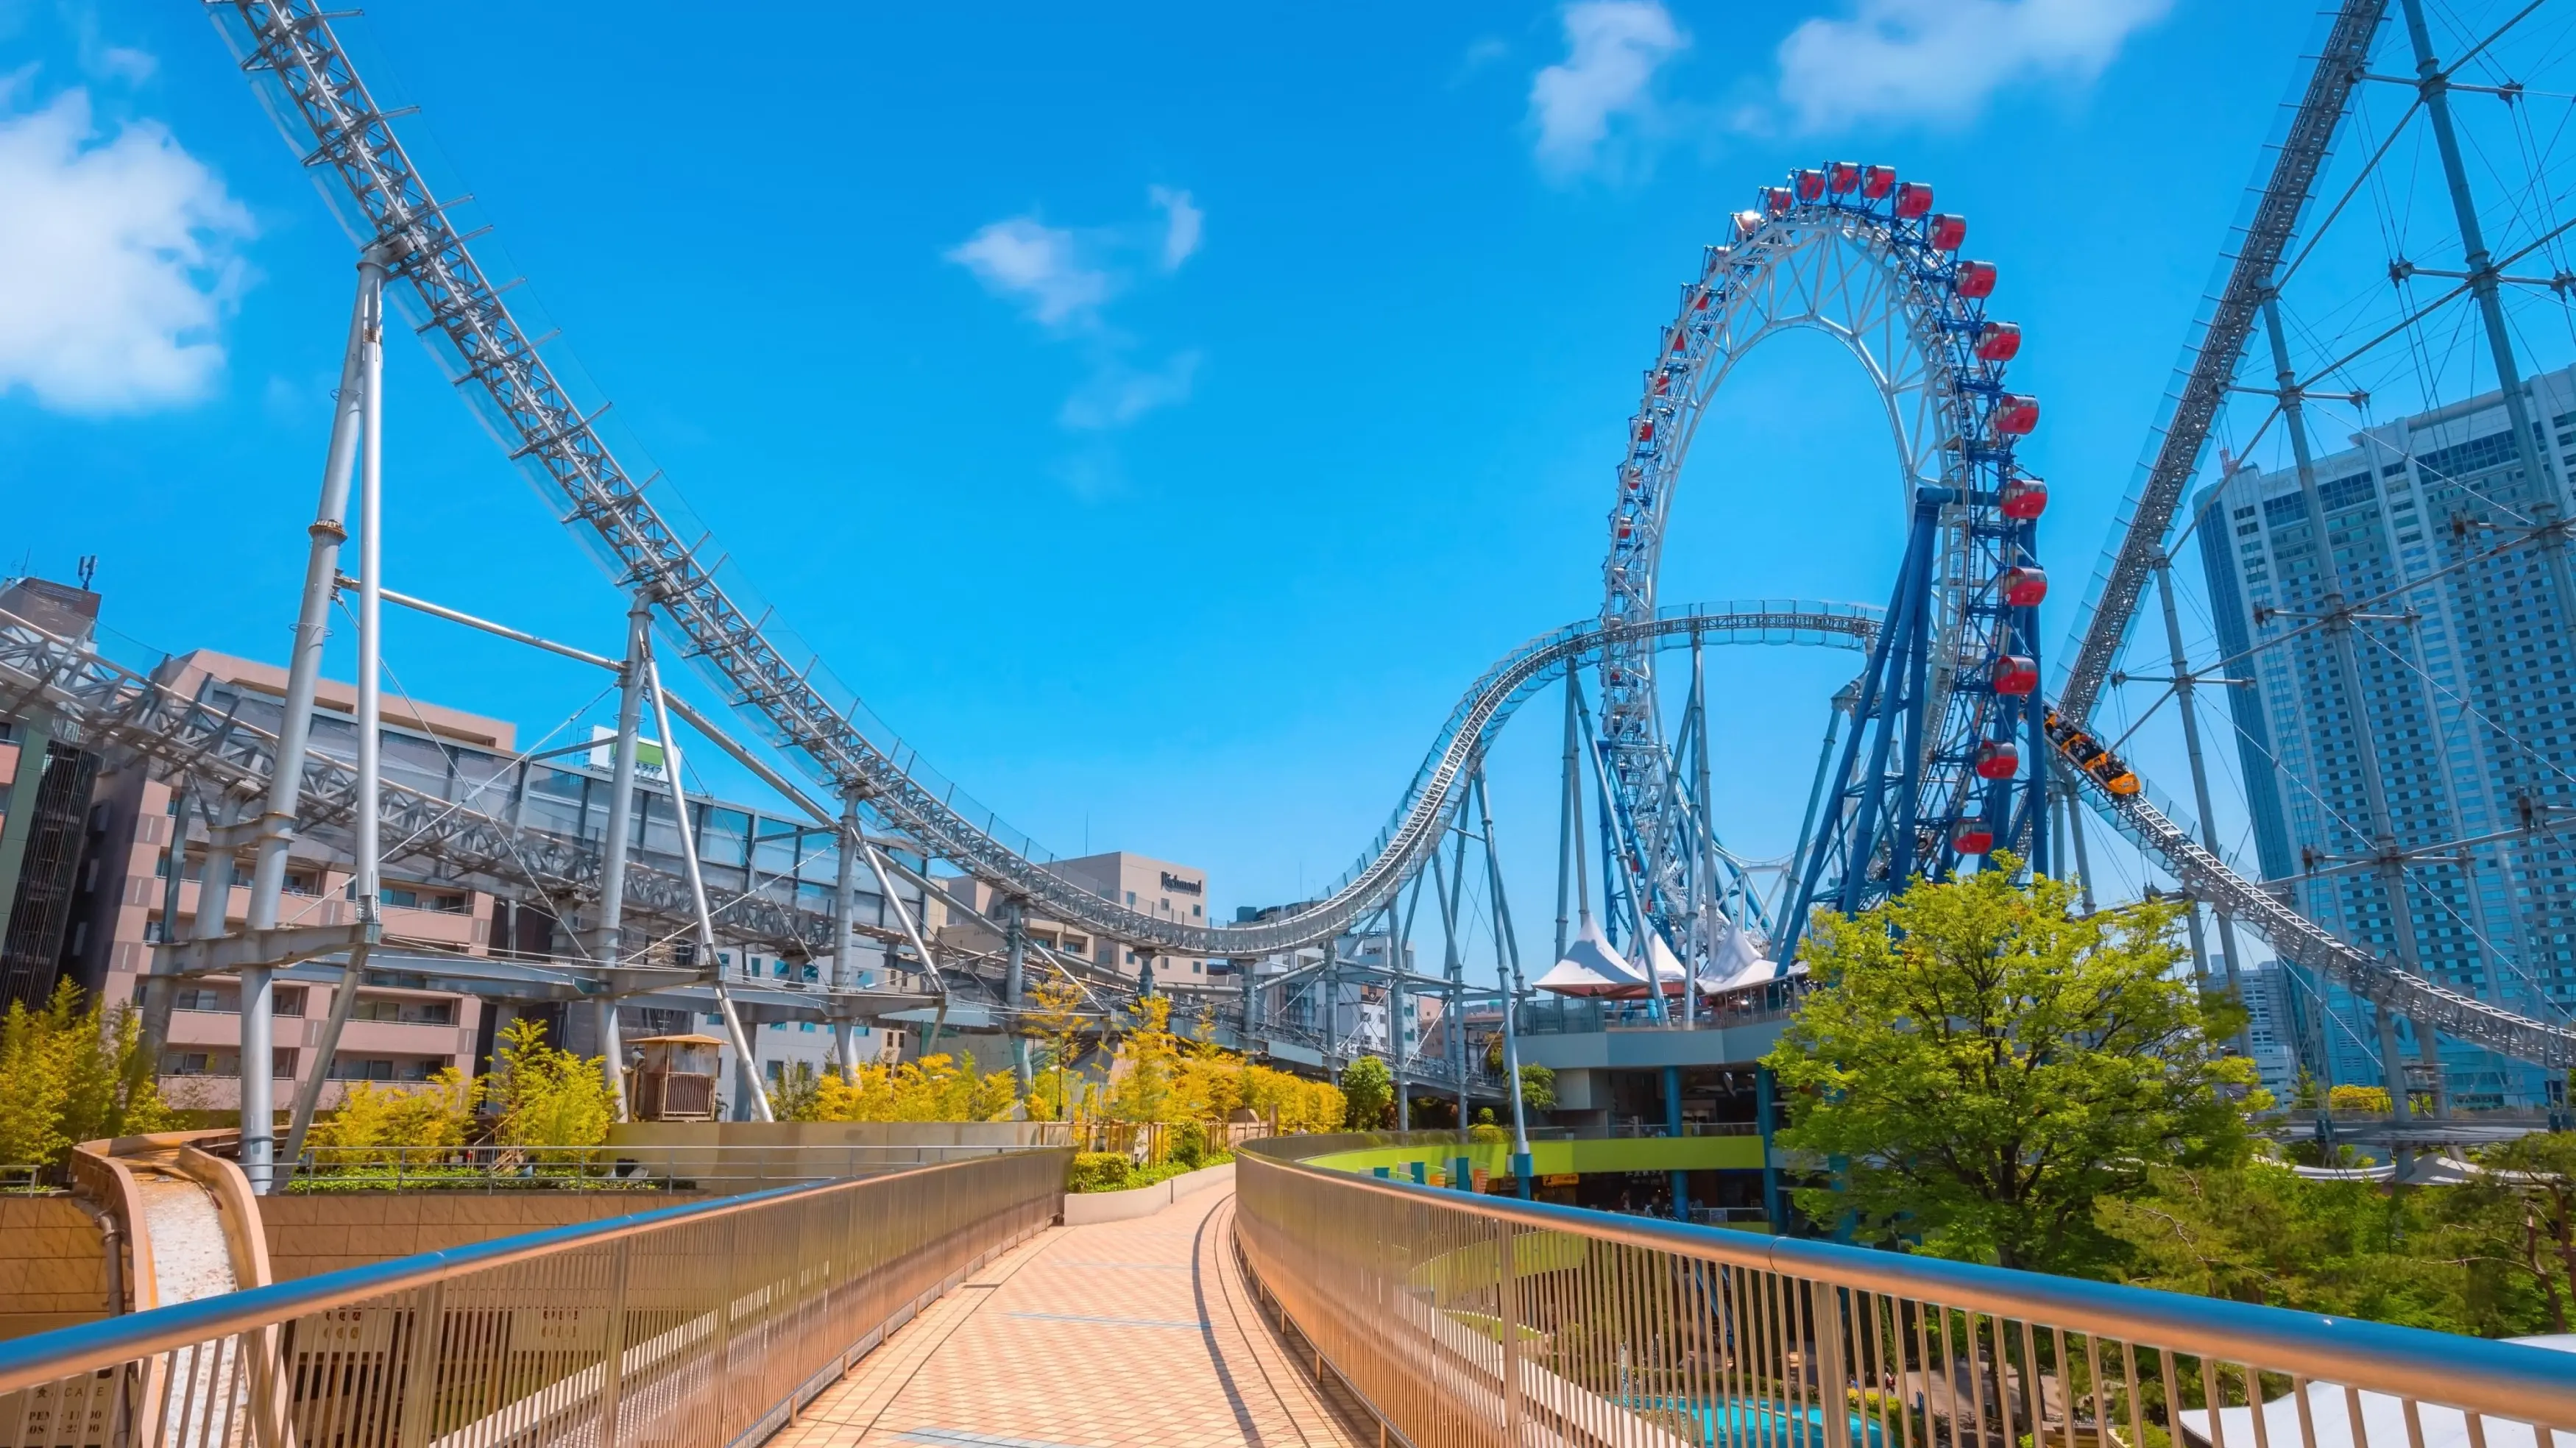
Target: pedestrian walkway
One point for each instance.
(1126, 1333)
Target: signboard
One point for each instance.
(1561, 1179)
(649, 754)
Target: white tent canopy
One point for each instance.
(1592, 968)
(1737, 961)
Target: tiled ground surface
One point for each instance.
(1125, 1333)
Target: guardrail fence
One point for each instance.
(1466, 1319)
(698, 1325)
(640, 1167)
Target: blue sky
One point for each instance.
(1159, 415)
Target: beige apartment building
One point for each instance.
(1161, 888)
(116, 919)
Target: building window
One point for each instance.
(409, 897)
(406, 1013)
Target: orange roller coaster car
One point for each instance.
(2091, 755)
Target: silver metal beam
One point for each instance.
(2220, 349)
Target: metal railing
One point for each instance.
(720, 1169)
(1752, 1005)
(1467, 1319)
(697, 1325)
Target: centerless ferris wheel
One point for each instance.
(1944, 761)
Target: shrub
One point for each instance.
(798, 1096)
(70, 1074)
(2358, 1098)
(1186, 1144)
(938, 1087)
(547, 1096)
(1368, 1093)
(1100, 1171)
(370, 1117)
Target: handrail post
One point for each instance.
(1833, 1379)
(612, 1361)
(1507, 1316)
(420, 1366)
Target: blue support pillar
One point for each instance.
(1772, 1205)
(1673, 1129)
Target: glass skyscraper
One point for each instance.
(2468, 703)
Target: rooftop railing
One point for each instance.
(1467, 1319)
(704, 1324)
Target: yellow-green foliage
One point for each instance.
(2358, 1098)
(440, 1113)
(546, 1096)
(1100, 1171)
(1157, 1076)
(1149, 1055)
(935, 1088)
(70, 1074)
(1057, 1024)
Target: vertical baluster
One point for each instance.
(2213, 1398)
(1825, 1312)
(2034, 1400)
(612, 1358)
(1508, 1303)
(1977, 1374)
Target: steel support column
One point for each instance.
(276, 822)
(746, 1065)
(608, 934)
(2336, 615)
(35, 746)
(366, 813)
(845, 900)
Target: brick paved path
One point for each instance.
(1126, 1333)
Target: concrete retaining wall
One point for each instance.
(1084, 1208)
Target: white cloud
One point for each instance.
(1065, 278)
(121, 62)
(1939, 60)
(1039, 265)
(117, 262)
(1118, 394)
(1612, 50)
(1182, 223)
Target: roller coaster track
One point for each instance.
(2303, 942)
(634, 530)
(2221, 346)
(127, 716)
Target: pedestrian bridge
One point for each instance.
(1311, 1304)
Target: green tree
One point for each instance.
(1368, 1093)
(1538, 1088)
(1980, 1065)
(2519, 1220)
(1058, 1025)
(1148, 1057)
(547, 1096)
(370, 1118)
(2258, 1233)
(798, 1096)
(71, 1073)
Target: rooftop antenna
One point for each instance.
(88, 569)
